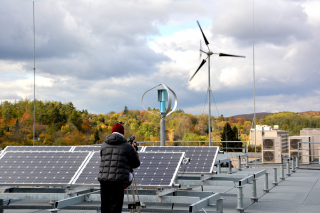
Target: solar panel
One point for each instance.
(89, 173)
(202, 158)
(157, 169)
(40, 168)
(95, 148)
(38, 148)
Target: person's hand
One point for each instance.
(134, 145)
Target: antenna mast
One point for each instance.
(34, 78)
(254, 95)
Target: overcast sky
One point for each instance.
(103, 55)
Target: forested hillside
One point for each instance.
(62, 124)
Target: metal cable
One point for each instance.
(216, 109)
(204, 106)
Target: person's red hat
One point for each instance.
(118, 128)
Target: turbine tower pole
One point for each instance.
(209, 53)
(254, 93)
(209, 93)
(34, 79)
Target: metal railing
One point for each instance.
(309, 157)
(206, 143)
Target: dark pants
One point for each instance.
(111, 197)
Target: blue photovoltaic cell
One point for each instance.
(202, 158)
(40, 168)
(156, 169)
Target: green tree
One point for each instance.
(227, 133)
(52, 129)
(96, 136)
(17, 125)
(125, 111)
(230, 134)
(76, 119)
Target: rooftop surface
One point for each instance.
(298, 193)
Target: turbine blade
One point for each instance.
(228, 55)
(202, 63)
(205, 39)
(200, 50)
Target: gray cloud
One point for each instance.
(97, 54)
(84, 40)
(10, 96)
(277, 22)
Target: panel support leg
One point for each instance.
(275, 181)
(297, 163)
(282, 172)
(247, 161)
(239, 163)
(293, 170)
(254, 190)
(288, 168)
(219, 168)
(240, 199)
(266, 186)
(219, 205)
(230, 168)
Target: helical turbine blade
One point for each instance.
(202, 63)
(204, 37)
(228, 55)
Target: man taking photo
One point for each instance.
(118, 158)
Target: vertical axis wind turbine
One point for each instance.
(209, 53)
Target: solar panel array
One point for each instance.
(156, 170)
(79, 165)
(202, 157)
(37, 148)
(40, 168)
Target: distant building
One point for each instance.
(267, 131)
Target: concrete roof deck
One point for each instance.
(298, 193)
